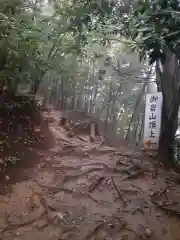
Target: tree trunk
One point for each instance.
(167, 138)
(57, 93)
(62, 94)
(136, 106)
(108, 108)
(169, 86)
(73, 101)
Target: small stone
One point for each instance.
(165, 230)
(86, 154)
(70, 134)
(55, 235)
(59, 215)
(147, 232)
(56, 217)
(7, 178)
(65, 236)
(41, 165)
(41, 224)
(110, 225)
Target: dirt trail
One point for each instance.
(81, 191)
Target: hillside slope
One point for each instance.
(83, 191)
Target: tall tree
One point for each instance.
(155, 26)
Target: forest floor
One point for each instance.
(74, 189)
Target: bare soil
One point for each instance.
(70, 188)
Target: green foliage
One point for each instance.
(19, 38)
(83, 17)
(32, 43)
(157, 24)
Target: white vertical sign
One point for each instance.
(152, 123)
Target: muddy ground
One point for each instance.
(74, 189)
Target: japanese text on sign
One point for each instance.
(152, 124)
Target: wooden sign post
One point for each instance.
(152, 123)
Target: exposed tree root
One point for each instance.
(95, 184)
(159, 192)
(118, 191)
(92, 170)
(93, 164)
(86, 172)
(170, 207)
(56, 189)
(68, 146)
(130, 156)
(133, 175)
(107, 168)
(116, 170)
(138, 188)
(100, 151)
(24, 223)
(122, 163)
(90, 197)
(11, 226)
(95, 169)
(94, 231)
(82, 139)
(62, 167)
(69, 177)
(139, 209)
(109, 227)
(129, 190)
(112, 169)
(167, 205)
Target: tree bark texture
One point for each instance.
(169, 85)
